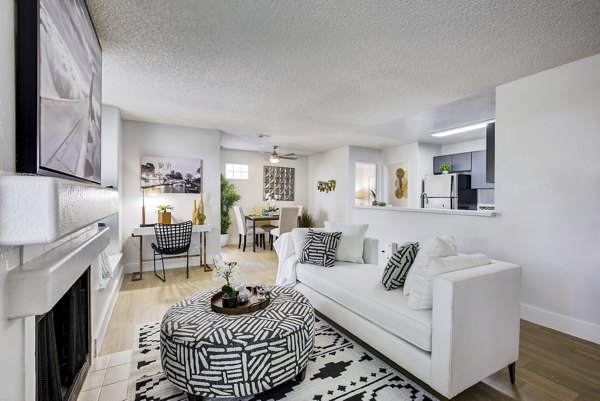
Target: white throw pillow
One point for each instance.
(351, 246)
(421, 294)
(436, 246)
(299, 236)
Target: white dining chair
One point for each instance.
(300, 210)
(288, 220)
(244, 230)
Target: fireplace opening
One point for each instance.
(63, 344)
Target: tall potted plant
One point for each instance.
(228, 198)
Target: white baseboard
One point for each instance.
(575, 327)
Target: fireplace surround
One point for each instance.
(52, 225)
(63, 344)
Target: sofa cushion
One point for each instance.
(319, 248)
(351, 244)
(299, 236)
(398, 266)
(421, 294)
(358, 288)
(436, 246)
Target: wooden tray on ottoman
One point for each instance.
(253, 304)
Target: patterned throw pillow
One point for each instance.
(319, 248)
(399, 265)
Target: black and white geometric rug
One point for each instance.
(339, 369)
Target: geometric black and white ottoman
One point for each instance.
(208, 354)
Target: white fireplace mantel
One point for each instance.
(39, 210)
(35, 287)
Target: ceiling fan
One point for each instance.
(274, 157)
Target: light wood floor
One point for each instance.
(552, 366)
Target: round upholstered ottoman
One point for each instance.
(208, 354)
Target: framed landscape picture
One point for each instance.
(171, 174)
(59, 90)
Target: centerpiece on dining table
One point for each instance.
(236, 299)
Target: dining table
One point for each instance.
(254, 219)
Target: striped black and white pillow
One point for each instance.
(319, 248)
(398, 266)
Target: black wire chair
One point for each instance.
(172, 239)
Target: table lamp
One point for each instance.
(360, 195)
(152, 191)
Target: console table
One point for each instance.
(141, 232)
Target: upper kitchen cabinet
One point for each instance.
(479, 170)
(491, 153)
(439, 160)
(460, 162)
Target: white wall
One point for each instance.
(138, 139)
(330, 165)
(547, 141)
(251, 190)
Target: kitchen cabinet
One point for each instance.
(460, 162)
(439, 160)
(479, 171)
(490, 141)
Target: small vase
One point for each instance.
(445, 172)
(229, 302)
(164, 217)
(195, 214)
(201, 217)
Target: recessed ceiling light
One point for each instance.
(464, 128)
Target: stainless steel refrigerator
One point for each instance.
(448, 191)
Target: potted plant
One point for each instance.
(164, 216)
(228, 198)
(226, 271)
(445, 168)
(306, 220)
(374, 203)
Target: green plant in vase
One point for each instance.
(445, 168)
(228, 198)
(226, 271)
(306, 220)
(164, 214)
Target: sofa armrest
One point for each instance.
(475, 325)
(371, 251)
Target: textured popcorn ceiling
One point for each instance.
(321, 74)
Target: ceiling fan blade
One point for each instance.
(289, 154)
(288, 157)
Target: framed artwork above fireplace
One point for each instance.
(59, 90)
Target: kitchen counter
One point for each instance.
(477, 213)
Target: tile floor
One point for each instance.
(107, 378)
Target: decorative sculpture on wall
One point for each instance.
(326, 186)
(279, 182)
(401, 184)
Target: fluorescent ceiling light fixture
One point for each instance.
(274, 159)
(464, 128)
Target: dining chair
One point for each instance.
(288, 220)
(300, 210)
(172, 239)
(244, 230)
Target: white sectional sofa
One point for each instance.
(471, 332)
